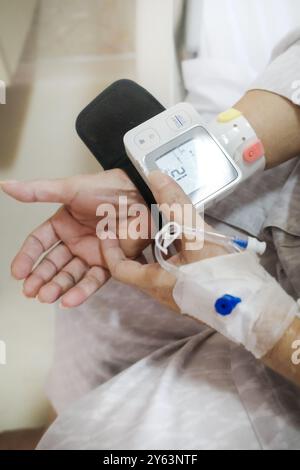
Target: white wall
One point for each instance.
(155, 53)
(75, 50)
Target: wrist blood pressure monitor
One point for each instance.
(207, 162)
(126, 127)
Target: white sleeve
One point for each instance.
(282, 76)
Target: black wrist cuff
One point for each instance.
(104, 122)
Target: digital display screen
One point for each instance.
(198, 165)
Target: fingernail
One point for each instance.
(158, 179)
(62, 307)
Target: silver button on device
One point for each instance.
(147, 139)
(179, 121)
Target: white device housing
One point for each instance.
(175, 129)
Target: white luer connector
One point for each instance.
(256, 246)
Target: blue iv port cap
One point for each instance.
(226, 304)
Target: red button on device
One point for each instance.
(254, 152)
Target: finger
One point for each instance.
(176, 205)
(166, 190)
(125, 270)
(93, 280)
(53, 262)
(150, 278)
(59, 190)
(37, 243)
(67, 278)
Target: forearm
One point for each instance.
(280, 358)
(276, 121)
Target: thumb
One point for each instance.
(173, 200)
(166, 190)
(58, 190)
(176, 205)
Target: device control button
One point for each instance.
(229, 115)
(179, 121)
(254, 152)
(147, 139)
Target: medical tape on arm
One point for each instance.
(237, 297)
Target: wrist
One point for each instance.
(238, 298)
(276, 123)
(236, 135)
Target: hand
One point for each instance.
(72, 267)
(151, 278)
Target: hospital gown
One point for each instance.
(130, 374)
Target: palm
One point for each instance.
(78, 234)
(72, 265)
